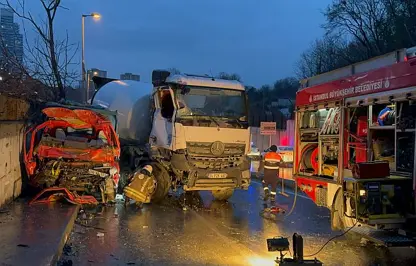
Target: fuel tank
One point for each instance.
(132, 101)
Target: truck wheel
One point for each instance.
(163, 182)
(222, 194)
(340, 215)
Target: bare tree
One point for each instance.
(324, 55)
(357, 30)
(364, 20)
(402, 22)
(285, 88)
(224, 75)
(47, 58)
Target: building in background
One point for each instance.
(130, 76)
(94, 72)
(11, 41)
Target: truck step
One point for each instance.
(384, 237)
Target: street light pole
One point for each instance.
(85, 80)
(83, 58)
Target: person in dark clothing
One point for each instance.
(270, 164)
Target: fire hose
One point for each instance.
(309, 158)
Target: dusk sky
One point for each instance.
(259, 40)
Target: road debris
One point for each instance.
(54, 194)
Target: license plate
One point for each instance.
(217, 175)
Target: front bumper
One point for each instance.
(236, 178)
(199, 168)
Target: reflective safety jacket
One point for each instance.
(272, 160)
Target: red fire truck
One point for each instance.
(355, 145)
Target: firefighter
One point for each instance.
(270, 164)
(141, 186)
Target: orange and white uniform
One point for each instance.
(270, 164)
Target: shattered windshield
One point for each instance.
(212, 102)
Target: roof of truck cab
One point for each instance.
(76, 117)
(77, 106)
(205, 82)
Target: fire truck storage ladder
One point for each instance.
(331, 124)
(384, 237)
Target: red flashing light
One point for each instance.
(405, 58)
(284, 141)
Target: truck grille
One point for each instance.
(215, 163)
(204, 149)
(201, 156)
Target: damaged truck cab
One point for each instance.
(193, 129)
(75, 148)
(200, 127)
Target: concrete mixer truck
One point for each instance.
(193, 130)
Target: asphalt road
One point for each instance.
(214, 233)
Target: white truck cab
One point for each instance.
(200, 130)
(193, 130)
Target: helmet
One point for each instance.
(148, 169)
(273, 148)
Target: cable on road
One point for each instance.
(332, 238)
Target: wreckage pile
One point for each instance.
(73, 152)
(83, 177)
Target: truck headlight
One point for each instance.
(362, 192)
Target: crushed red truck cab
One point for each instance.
(76, 148)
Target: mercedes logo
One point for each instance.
(217, 148)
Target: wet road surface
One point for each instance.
(215, 233)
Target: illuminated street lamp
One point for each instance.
(95, 16)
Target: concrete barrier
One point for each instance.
(36, 234)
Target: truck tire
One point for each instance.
(163, 182)
(222, 194)
(340, 212)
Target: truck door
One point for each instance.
(165, 111)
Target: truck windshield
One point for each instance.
(212, 102)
